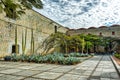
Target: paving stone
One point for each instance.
(80, 70)
(24, 64)
(32, 79)
(62, 69)
(83, 78)
(26, 73)
(1, 74)
(87, 73)
(69, 77)
(45, 67)
(11, 66)
(98, 69)
(114, 79)
(48, 75)
(68, 67)
(36, 65)
(97, 73)
(76, 71)
(10, 77)
(91, 69)
(107, 70)
(94, 79)
(105, 75)
(114, 75)
(85, 67)
(25, 67)
(3, 68)
(3, 65)
(10, 71)
(105, 79)
(119, 70)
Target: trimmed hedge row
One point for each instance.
(55, 58)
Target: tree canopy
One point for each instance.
(31, 3)
(14, 8)
(66, 44)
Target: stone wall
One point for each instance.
(41, 25)
(112, 31)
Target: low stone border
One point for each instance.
(116, 65)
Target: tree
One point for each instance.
(94, 41)
(88, 46)
(75, 43)
(83, 44)
(55, 40)
(14, 9)
(89, 41)
(31, 3)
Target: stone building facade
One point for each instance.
(41, 25)
(112, 31)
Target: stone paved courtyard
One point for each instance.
(96, 68)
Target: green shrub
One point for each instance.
(117, 55)
(56, 58)
(24, 57)
(33, 58)
(92, 54)
(45, 59)
(61, 60)
(71, 60)
(15, 57)
(76, 55)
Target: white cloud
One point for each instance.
(82, 13)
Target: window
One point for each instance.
(100, 34)
(55, 29)
(14, 48)
(89, 34)
(113, 33)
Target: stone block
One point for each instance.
(26, 73)
(10, 71)
(48, 75)
(69, 77)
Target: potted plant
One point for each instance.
(7, 58)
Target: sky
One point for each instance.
(76, 14)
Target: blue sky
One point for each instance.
(82, 13)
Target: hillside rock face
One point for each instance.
(42, 27)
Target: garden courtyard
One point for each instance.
(34, 47)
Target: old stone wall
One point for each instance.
(41, 25)
(112, 31)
